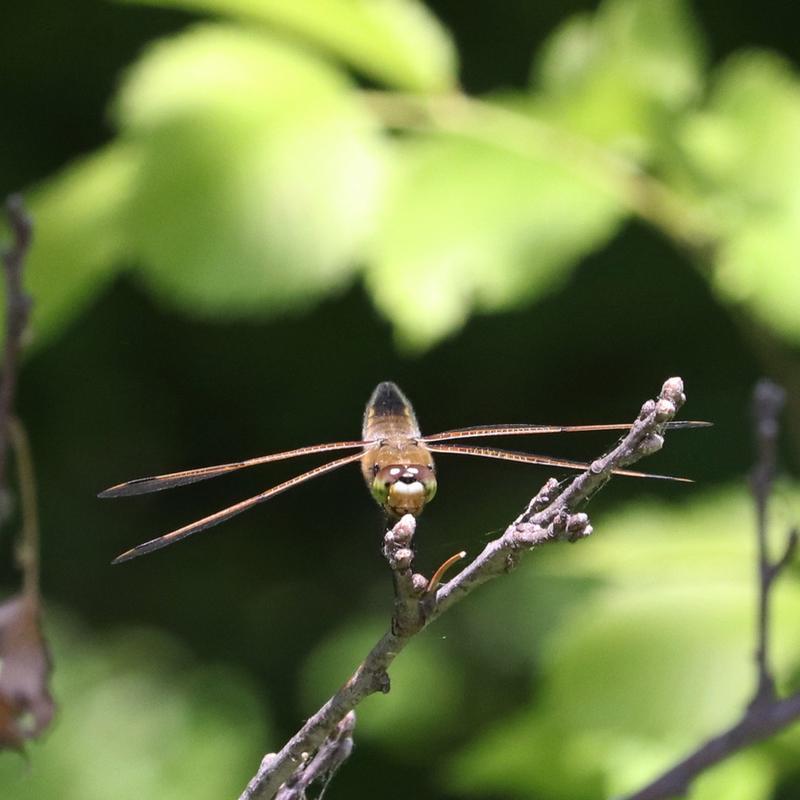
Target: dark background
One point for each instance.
(130, 389)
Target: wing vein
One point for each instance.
(531, 458)
(526, 430)
(231, 511)
(157, 483)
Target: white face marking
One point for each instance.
(412, 471)
(395, 471)
(408, 489)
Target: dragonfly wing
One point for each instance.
(527, 430)
(158, 483)
(530, 458)
(232, 511)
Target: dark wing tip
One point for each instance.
(134, 487)
(672, 478)
(686, 424)
(140, 550)
(126, 556)
(654, 476)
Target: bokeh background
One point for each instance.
(248, 213)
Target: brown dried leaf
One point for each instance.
(26, 706)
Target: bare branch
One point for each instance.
(335, 750)
(768, 400)
(550, 516)
(26, 705)
(758, 723)
(18, 305)
(407, 617)
(766, 714)
(28, 547)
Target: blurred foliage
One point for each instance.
(178, 728)
(261, 142)
(252, 174)
(655, 658)
(425, 700)
(284, 189)
(397, 42)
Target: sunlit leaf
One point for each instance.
(745, 138)
(633, 672)
(259, 174)
(79, 241)
(474, 227)
(620, 73)
(398, 42)
(746, 149)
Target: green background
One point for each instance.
(172, 329)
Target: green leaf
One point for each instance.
(398, 42)
(619, 75)
(472, 226)
(260, 172)
(79, 241)
(654, 661)
(745, 149)
(137, 715)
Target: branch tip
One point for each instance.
(672, 390)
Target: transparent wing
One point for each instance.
(158, 483)
(525, 430)
(530, 458)
(232, 511)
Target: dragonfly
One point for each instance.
(396, 462)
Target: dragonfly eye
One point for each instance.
(404, 488)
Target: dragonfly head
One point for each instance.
(403, 488)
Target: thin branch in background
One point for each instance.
(552, 515)
(766, 714)
(26, 706)
(18, 306)
(768, 401)
(28, 545)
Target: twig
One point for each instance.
(768, 400)
(758, 723)
(407, 616)
(551, 515)
(18, 305)
(26, 705)
(335, 750)
(28, 547)
(765, 714)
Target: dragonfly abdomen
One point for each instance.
(389, 415)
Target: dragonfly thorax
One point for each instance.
(398, 468)
(403, 488)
